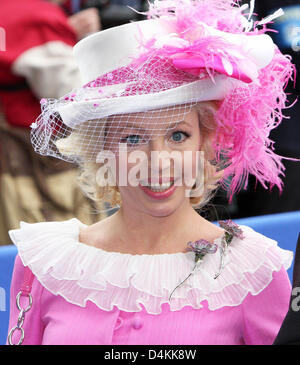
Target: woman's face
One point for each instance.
(171, 158)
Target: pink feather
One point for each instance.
(245, 120)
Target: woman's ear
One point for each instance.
(66, 145)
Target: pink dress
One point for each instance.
(85, 295)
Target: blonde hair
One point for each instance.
(212, 170)
(88, 170)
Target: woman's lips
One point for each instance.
(159, 194)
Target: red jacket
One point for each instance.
(27, 24)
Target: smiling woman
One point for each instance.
(185, 106)
(202, 115)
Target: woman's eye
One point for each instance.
(131, 140)
(180, 136)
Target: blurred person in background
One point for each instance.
(37, 62)
(112, 12)
(257, 200)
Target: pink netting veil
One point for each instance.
(92, 127)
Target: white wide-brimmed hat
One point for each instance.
(114, 49)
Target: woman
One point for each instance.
(198, 89)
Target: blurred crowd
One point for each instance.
(38, 63)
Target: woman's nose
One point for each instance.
(158, 144)
(159, 154)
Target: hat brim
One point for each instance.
(75, 113)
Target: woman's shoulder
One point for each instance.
(80, 272)
(29, 231)
(252, 252)
(246, 262)
(39, 240)
(247, 251)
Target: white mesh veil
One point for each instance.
(89, 120)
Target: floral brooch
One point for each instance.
(203, 247)
(231, 230)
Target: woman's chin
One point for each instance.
(156, 205)
(160, 211)
(162, 207)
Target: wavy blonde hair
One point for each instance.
(87, 178)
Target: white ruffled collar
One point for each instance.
(78, 272)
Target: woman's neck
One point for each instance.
(140, 233)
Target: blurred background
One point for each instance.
(111, 12)
(255, 200)
(37, 63)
